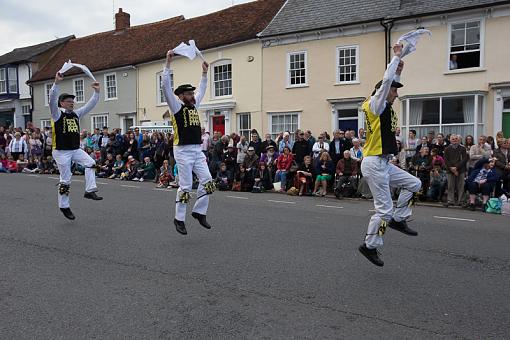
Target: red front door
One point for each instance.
(218, 124)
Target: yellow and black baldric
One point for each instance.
(186, 124)
(66, 132)
(381, 129)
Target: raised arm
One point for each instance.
(202, 87)
(82, 111)
(393, 71)
(166, 85)
(53, 100)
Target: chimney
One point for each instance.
(122, 20)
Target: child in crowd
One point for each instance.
(262, 179)
(165, 175)
(32, 166)
(437, 181)
(223, 178)
(118, 166)
(21, 163)
(146, 170)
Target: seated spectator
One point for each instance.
(324, 170)
(421, 165)
(283, 165)
(437, 158)
(12, 165)
(118, 167)
(223, 178)
(320, 146)
(262, 179)
(244, 181)
(306, 176)
(18, 146)
(3, 163)
(21, 163)
(357, 151)
(31, 167)
(423, 142)
(230, 157)
(106, 168)
(146, 170)
(251, 162)
(482, 180)
(270, 158)
(45, 165)
(130, 170)
(165, 175)
(437, 181)
(346, 172)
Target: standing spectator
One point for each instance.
(453, 62)
(423, 143)
(242, 147)
(256, 144)
(320, 146)
(18, 146)
(477, 152)
(410, 146)
(285, 142)
(131, 146)
(469, 142)
(301, 148)
(502, 164)
(397, 134)
(35, 146)
(230, 157)
(482, 180)
(268, 141)
(337, 146)
(440, 144)
(362, 136)
(456, 158)
(400, 158)
(283, 165)
(3, 140)
(206, 142)
(310, 138)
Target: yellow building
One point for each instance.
(316, 73)
(228, 41)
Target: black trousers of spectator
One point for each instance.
(350, 189)
(485, 189)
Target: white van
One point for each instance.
(153, 128)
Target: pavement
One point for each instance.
(272, 267)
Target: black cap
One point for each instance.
(393, 84)
(64, 96)
(184, 88)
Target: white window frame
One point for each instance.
(482, 46)
(92, 117)
(45, 123)
(271, 115)
(239, 116)
(478, 124)
(289, 54)
(24, 107)
(47, 89)
(159, 93)
(106, 98)
(13, 81)
(4, 79)
(83, 90)
(214, 83)
(350, 47)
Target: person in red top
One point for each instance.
(283, 165)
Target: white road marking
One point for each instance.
(129, 186)
(163, 189)
(104, 183)
(239, 197)
(329, 206)
(33, 175)
(286, 202)
(54, 177)
(371, 210)
(78, 180)
(454, 218)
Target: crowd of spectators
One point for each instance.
(452, 169)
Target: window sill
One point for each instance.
(465, 70)
(347, 83)
(296, 86)
(222, 97)
(108, 99)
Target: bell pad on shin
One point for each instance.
(63, 189)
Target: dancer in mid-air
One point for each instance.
(188, 146)
(66, 143)
(376, 167)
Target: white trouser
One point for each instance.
(381, 175)
(190, 159)
(64, 159)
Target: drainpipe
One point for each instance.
(388, 25)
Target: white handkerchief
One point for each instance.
(69, 65)
(411, 40)
(190, 51)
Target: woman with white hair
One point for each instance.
(18, 146)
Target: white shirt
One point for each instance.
(82, 111)
(173, 102)
(18, 146)
(318, 146)
(378, 100)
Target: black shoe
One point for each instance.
(68, 213)
(201, 219)
(92, 196)
(180, 227)
(402, 227)
(371, 254)
(471, 207)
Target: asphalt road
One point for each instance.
(272, 267)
